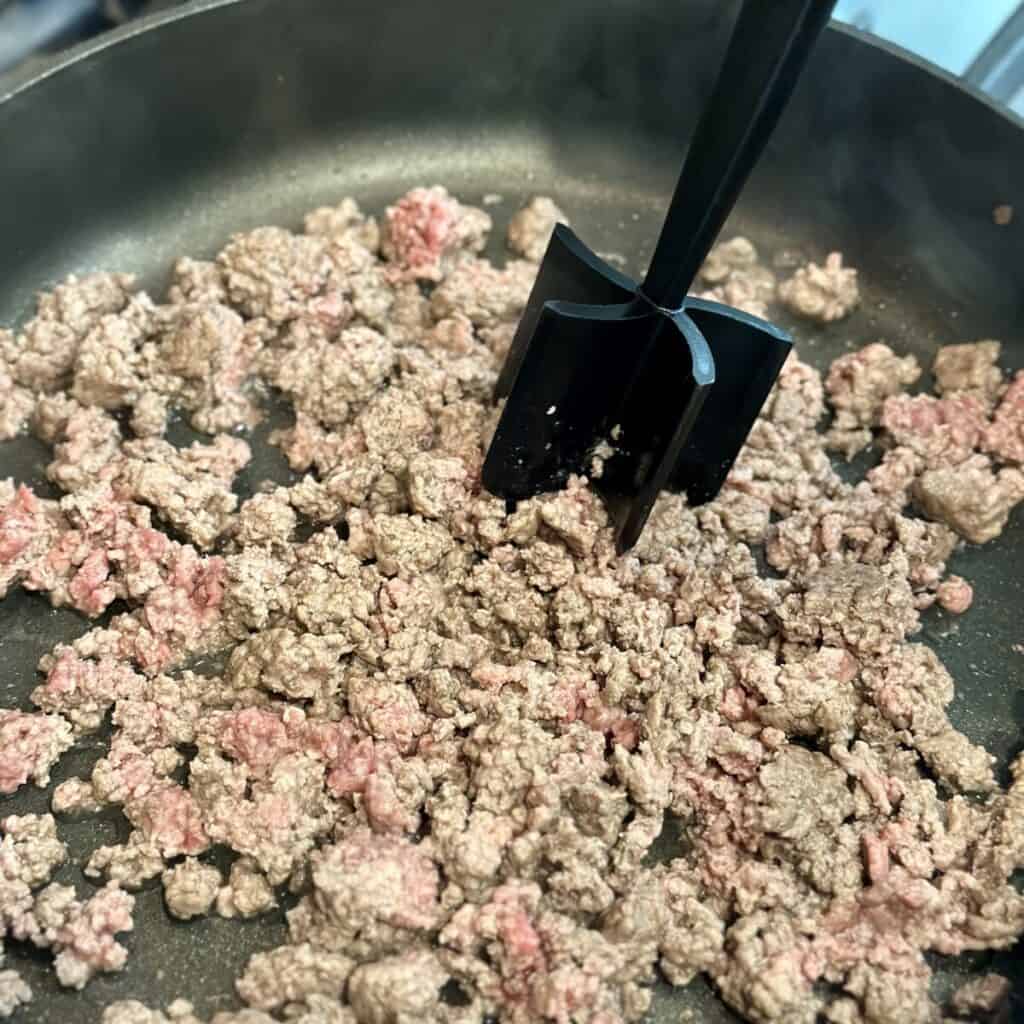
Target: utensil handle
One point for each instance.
(770, 45)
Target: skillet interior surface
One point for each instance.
(168, 139)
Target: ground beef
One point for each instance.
(204, 358)
(85, 442)
(398, 989)
(985, 998)
(80, 934)
(130, 1011)
(972, 498)
(273, 273)
(292, 974)
(427, 229)
(130, 864)
(16, 402)
(855, 606)
(1004, 437)
(13, 992)
(108, 368)
(190, 888)
(734, 276)
(30, 849)
(344, 221)
(823, 293)
(190, 488)
(942, 431)
(369, 896)
(955, 594)
(326, 379)
(858, 385)
(971, 368)
(247, 893)
(74, 796)
(529, 230)
(42, 357)
(486, 755)
(30, 745)
(483, 293)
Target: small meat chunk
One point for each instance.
(13, 992)
(488, 296)
(247, 893)
(427, 229)
(737, 278)
(266, 519)
(370, 894)
(109, 362)
(985, 998)
(209, 353)
(853, 605)
(74, 796)
(291, 974)
(1004, 437)
(190, 487)
(130, 864)
(970, 368)
(300, 666)
(943, 431)
(823, 293)
(858, 385)
(273, 273)
(190, 888)
(955, 594)
(30, 850)
(16, 402)
(30, 745)
(398, 989)
(41, 358)
(81, 934)
(344, 221)
(529, 230)
(802, 790)
(971, 498)
(326, 380)
(439, 486)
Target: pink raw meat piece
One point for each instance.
(84, 689)
(955, 594)
(943, 430)
(256, 737)
(94, 559)
(29, 746)
(26, 526)
(178, 614)
(126, 773)
(425, 227)
(356, 761)
(260, 738)
(1004, 436)
(170, 817)
(86, 942)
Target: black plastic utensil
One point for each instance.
(671, 384)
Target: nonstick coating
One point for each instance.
(222, 117)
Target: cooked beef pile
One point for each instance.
(456, 733)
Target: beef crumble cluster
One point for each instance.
(455, 732)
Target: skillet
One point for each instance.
(164, 137)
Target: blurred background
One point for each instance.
(979, 40)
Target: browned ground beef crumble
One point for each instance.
(455, 732)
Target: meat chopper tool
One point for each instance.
(671, 384)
